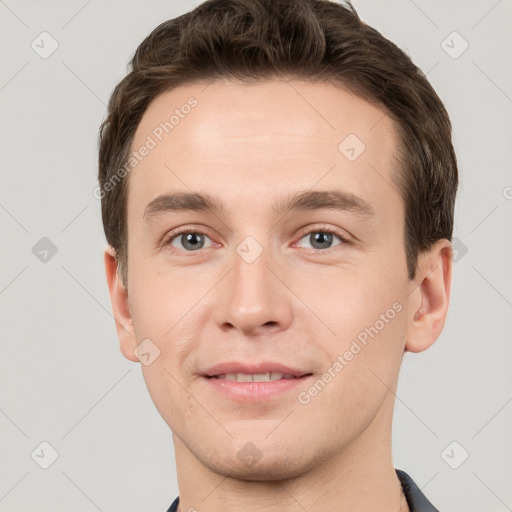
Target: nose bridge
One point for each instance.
(252, 296)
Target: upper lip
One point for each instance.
(252, 368)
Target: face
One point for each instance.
(295, 266)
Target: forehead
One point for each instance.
(234, 138)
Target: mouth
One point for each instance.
(254, 382)
(256, 377)
(253, 372)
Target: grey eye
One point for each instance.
(320, 239)
(190, 241)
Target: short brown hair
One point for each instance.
(252, 40)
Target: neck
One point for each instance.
(359, 478)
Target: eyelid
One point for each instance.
(169, 237)
(344, 236)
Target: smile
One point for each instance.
(255, 377)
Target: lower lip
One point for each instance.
(255, 391)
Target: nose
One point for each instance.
(253, 299)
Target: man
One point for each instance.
(278, 185)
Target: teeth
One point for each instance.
(255, 377)
(262, 377)
(243, 377)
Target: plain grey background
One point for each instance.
(63, 379)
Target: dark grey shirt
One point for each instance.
(416, 500)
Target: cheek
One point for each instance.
(350, 299)
(163, 307)
(168, 307)
(359, 375)
(158, 299)
(364, 324)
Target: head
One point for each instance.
(277, 183)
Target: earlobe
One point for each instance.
(120, 306)
(431, 297)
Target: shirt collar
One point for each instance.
(416, 500)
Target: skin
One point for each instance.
(250, 145)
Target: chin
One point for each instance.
(266, 463)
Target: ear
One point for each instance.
(430, 297)
(120, 306)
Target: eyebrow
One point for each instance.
(299, 201)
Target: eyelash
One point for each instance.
(344, 238)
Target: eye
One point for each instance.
(322, 239)
(189, 241)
